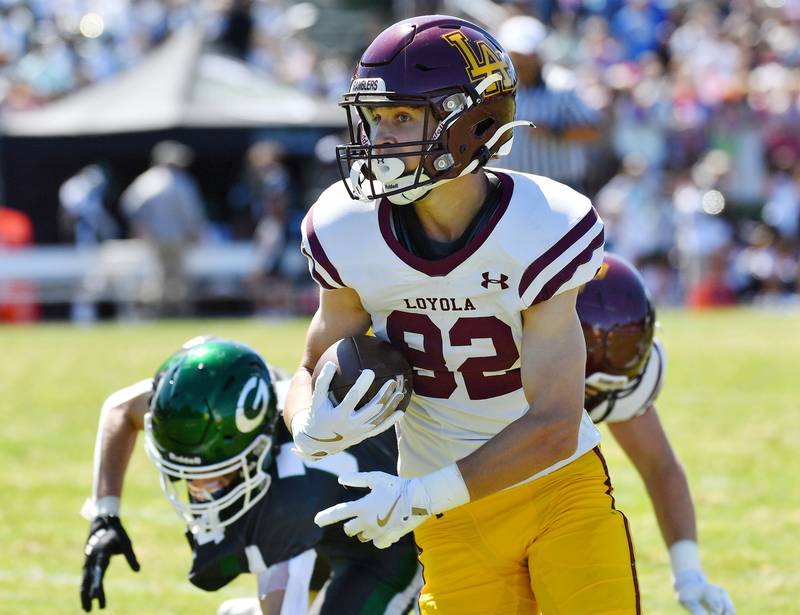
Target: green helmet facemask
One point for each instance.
(211, 418)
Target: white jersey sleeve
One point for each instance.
(566, 243)
(332, 221)
(636, 401)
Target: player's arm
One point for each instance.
(320, 427)
(121, 418)
(647, 446)
(553, 358)
(272, 588)
(272, 603)
(340, 314)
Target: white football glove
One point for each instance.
(240, 606)
(327, 428)
(700, 597)
(394, 506)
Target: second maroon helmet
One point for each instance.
(618, 322)
(465, 81)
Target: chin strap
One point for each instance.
(363, 186)
(388, 172)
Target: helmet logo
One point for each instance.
(243, 423)
(481, 62)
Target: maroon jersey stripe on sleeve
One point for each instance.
(561, 246)
(313, 271)
(317, 253)
(558, 280)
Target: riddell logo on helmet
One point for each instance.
(196, 461)
(368, 84)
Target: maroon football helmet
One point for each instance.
(465, 81)
(618, 322)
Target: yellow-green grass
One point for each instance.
(730, 406)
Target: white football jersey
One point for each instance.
(458, 319)
(635, 401)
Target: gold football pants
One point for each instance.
(555, 546)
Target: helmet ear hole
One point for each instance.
(481, 127)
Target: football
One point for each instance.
(353, 354)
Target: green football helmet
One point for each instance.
(212, 418)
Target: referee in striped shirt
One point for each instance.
(557, 148)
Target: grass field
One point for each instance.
(730, 405)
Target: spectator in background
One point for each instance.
(262, 198)
(85, 219)
(82, 202)
(262, 188)
(736, 130)
(641, 111)
(767, 268)
(713, 289)
(782, 209)
(702, 230)
(638, 223)
(238, 28)
(564, 124)
(639, 26)
(164, 208)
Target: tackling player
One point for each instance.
(211, 427)
(624, 373)
(473, 274)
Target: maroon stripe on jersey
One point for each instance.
(317, 253)
(313, 270)
(561, 246)
(596, 451)
(559, 279)
(443, 266)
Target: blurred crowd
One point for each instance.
(696, 167)
(49, 48)
(681, 119)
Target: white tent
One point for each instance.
(180, 84)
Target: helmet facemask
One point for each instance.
(206, 520)
(601, 387)
(371, 171)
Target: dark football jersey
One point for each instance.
(281, 526)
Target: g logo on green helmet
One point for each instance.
(243, 423)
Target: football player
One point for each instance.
(624, 373)
(210, 422)
(472, 273)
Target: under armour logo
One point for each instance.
(501, 281)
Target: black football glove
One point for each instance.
(107, 537)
